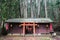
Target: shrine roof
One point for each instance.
(36, 20)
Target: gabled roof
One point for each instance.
(37, 20)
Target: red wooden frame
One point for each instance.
(29, 24)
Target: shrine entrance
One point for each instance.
(28, 30)
(29, 27)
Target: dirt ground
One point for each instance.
(26, 38)
(45, 37)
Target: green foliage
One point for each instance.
(57, 3)
(11, 9)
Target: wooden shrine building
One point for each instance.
(29, 25)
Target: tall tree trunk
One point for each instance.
(21, 8)
(2, 23)
(38, 8)
(25, 8)
(31, 10)
(46, 9)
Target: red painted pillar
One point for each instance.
(7, 25)
(23, 29)
(34, 29)
(51, 29)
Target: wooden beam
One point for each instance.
(34, 28)
(23, 29)
(29, 24)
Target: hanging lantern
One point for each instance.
(38, 26)
(46, 25)
(19, 25)
(11, 25)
